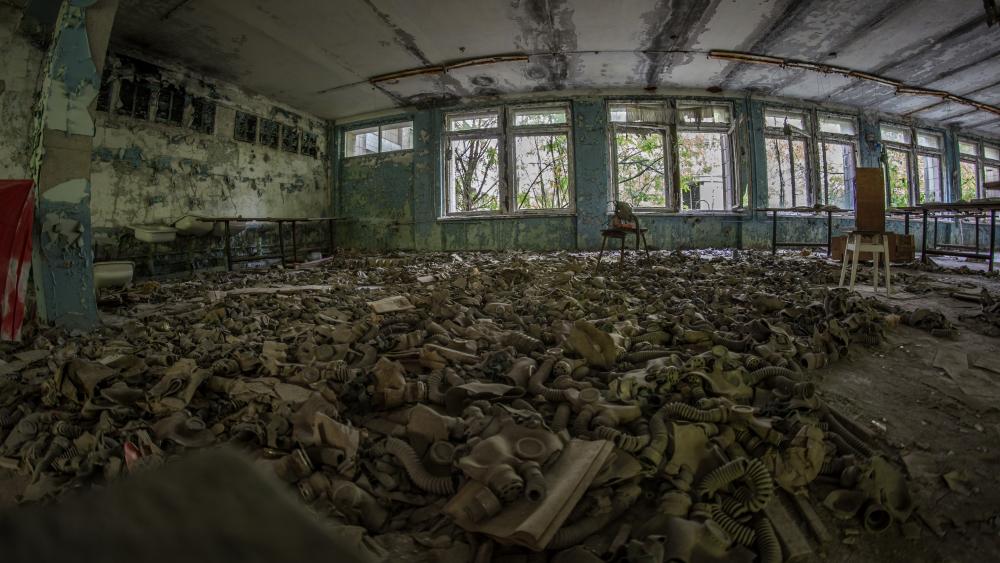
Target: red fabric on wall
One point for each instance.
(17, 216)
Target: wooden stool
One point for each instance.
(878, 245)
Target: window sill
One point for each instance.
(508, 216)
(669, 213)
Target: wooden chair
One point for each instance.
(623, 223)
(867, 241)
(869, 234)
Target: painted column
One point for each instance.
(63, 259)
(426, 178)
(868, 140)
(592, 171)
(952, 166)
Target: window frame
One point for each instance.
(730, 198)
(378, 134)
(921, 151)
(506, 134)
(977, 162)
(912, 174)
(825, 137)
(790, 135)
(664, 129)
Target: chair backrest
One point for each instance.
(624, 216)
(869, 200)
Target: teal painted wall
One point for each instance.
(395, 200)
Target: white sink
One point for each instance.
(154, 233)
(192, 225)
(113, 274)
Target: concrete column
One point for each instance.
(952, 162)
(592, 171)
(426, 178)
(63, 259)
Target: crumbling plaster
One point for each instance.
(144, 171)
(20, 75)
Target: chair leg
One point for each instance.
(621, 259)
(604, 242)
(876, 256)
(645, 247)
(854, 260)
(843, 261)
(888, 275)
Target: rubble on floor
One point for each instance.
(470, 406)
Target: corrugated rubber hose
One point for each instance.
(768, 547)
(417, 472)
(752, 471)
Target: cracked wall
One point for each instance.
(149, 172)
(20, 75)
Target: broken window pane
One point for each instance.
(895, 134)
(289, 139)
(837, 172)
(133, 99)
(967, 147)
(528, 117)
(170, 105)
(473, 121)
(779, 119)
(929, 140)
(837, 125)
(787, 172)
(703, 162)
(246, 127)
(969, 176)
(542, 171)
(929, 176)
(310, 145)
(397, 137)
(107, 86)
(638, 113)
(703, 115)
(641, 167)
(991, 153)
(474, 174)
(899, 178)
(361, 141)
(203, 115)
(269, 133)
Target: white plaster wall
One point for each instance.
(20, 67)
(148, 172)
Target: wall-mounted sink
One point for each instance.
(154, 233)
(113, 274)
(235, 227)
(192, 225)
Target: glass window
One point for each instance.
(991, 153)
(542, 171)
(310, 144)
(290, 139)
(929, 176)
(133, 98)
(969, 179)
(787, 172)
(170, 105)
(780, 119)
(694, 115)
(928, 140)
(992, 186)
(638, 113)
(534, 117)
(474, 174)
(900, 178)
(397, 137)
(203, 115)
(245, 128)
(967, 147)
(473, 121)
(379, 138)
(703, 163)
(641, 167)
(837, 125)
(269, 133)
(896, 134)
(837, 173)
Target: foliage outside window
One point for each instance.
(704, 157)
(378, 139)
(898, 157)
(837, 159)
(930, 179)
(970, 169)
(269, 133)
(785, 141)
(513, 159)
(289, 139)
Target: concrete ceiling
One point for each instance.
(319, 55)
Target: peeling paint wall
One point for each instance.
(20, 75)
(145, 171)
